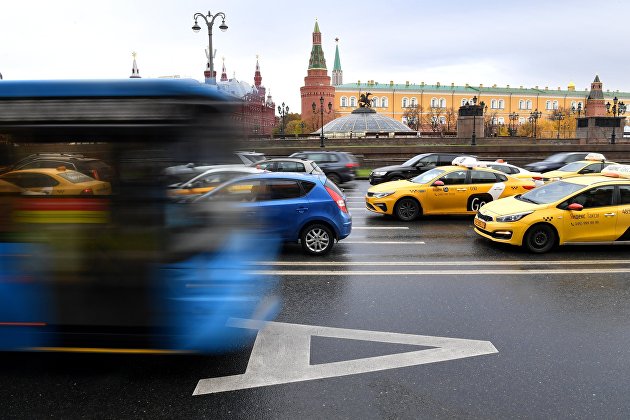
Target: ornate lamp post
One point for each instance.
(283, 111)
(475, 110)
(513, 116)
(321, 112)
(558, 116)
(209, 19)
(533, 118)
(577, 110)
(617, 109)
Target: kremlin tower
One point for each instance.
(317, 85)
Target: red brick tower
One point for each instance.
(595, 106)
(317, 85)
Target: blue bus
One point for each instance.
(93, 254)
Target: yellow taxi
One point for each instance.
(56, 182)
(459, 190)
(210, 179)
(593, 163)
(579, 210)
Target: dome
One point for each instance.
(366, 120)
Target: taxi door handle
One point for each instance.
(609, 214)
(462, 189)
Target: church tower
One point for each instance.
(337, 73)
(258, 81)
(317, 85)
(135, 73)
(595, 106)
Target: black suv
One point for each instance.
(339, 167)
(94, 168)
(556, 161)
(413, 167)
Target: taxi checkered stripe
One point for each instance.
(548, 218)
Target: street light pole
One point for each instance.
(283, 111)
(513, 116)
(533, 118)
(321, 112)
(618, 108)
(209, 19)
(558, 116)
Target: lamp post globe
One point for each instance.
(209, 19)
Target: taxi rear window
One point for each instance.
(75, 177)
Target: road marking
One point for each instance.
(467, 272)
(380, 227)
(438, 263)
(281, 355)
(384, 243)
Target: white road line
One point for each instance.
(390, 273)
(437, 263)
(380, 227)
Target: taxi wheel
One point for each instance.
(407, 209)
(540, 238)
(317, 239)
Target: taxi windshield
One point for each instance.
(427, 176)
(572, 167)
(550, 193)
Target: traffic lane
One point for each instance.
(562, 341)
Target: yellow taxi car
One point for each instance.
(459, 190)
(56, 182)
(210, 179)
(593, 163)
(579, 210)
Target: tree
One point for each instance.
(412, 117)
(451, 120)
(435, 117)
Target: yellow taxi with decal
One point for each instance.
(56, 181)
(593, 163)
(459, 190)
(579, 210)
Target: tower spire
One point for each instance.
(317, 60)
(223, 72)
(337, 73)
(135, 73)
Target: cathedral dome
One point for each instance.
(366, 120)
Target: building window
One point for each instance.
(344, 101)
(434, 103)
(521, 120)
(529, 104)
(414, 102)
(501, 120)
(353, 101)
(464, 102)
(493, 104)
(384, 102)
(548, 105)
(405, 102)
(374, 102)
(501, 104)
(442, 120)
(581, 104)
(442, 103)
(555, 105)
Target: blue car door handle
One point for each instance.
(302, 209)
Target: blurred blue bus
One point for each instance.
(129, 271)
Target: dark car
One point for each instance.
(413, 167)
(339, 167)
(556, 161)
(91, 167)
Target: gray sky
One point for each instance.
(537, 42)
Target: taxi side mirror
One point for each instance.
(438, 183)
(575, 207)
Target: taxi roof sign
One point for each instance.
(618, 171)
(466, 161)
(595, 156)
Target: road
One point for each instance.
(412, 320)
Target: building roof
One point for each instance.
(337, 65)
(363, 120)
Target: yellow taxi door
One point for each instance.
(597, 221)
(484, 186)
(622, 231)
(447, 198)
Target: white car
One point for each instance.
(515, 171)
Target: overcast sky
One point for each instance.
(530, 43)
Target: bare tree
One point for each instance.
(412, 117)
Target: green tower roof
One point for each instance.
(337, 65)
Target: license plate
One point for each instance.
(480, 223)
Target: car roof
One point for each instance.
(286, 159)
(594, 179)
(50, 171)
(229, 168)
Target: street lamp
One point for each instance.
(283, 111)
(209, 19)
(533, 118)
(513, 116)
(616, 110)
(475, 109)
(577, 110)
(558, 116)
(321, 112)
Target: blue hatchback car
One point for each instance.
(296, 207)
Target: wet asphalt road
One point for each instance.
(560, 323)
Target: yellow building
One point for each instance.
(438, 104)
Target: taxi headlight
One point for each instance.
(378, 173)
(382, 194)
(513, 217)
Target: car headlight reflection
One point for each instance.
(378, 173)
(513, 217)
(383, 194)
